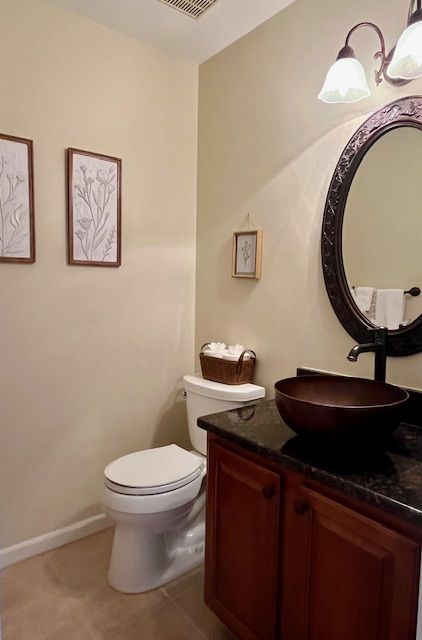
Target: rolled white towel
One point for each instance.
(234, 357)
(215, 349)
(233, 353)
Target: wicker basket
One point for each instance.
(227, 371)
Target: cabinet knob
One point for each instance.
(268, 491)
(301, 507)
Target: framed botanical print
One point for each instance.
(247, 254)
(94, 209)
(17, 228)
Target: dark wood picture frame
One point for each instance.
(94, 198)
(15, 218)
(256, 236)
(405, 112)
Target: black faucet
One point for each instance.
(379, 346)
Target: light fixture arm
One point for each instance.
(385, 58)
(347, 50)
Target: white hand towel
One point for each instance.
(390, 308)
(363, 298)
(215, 349)
(233, 357)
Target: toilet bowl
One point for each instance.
(157, 497)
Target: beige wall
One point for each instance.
(269, 147)
(90, 358)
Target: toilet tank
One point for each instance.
(204, 397)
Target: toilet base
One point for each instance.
(180, 565)
(148, 553)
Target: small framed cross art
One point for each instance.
(247, 254)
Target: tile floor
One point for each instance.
(64, 595)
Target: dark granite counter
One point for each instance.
(389, 478)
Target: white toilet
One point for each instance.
(157, 496)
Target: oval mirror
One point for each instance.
(372, 229)
(382, 230)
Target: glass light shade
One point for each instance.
(407, 59)
(345, 82)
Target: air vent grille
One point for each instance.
(192, 8)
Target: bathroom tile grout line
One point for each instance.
(177, 605)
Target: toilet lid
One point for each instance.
(153, 471)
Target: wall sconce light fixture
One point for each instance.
(346, 80)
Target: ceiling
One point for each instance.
(155, 23)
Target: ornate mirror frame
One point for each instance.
(406, 112)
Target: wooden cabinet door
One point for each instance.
(241, 559)
(346, 577)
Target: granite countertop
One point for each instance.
(389, 478)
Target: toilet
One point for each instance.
(156, 497)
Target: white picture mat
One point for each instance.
(15, 227)
(245, 253)
(95, 228)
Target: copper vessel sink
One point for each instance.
(340, 407)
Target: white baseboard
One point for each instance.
(53, 539)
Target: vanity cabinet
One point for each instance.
(290, 559)
(242, 544)
(345, 575)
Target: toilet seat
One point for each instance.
(153, 471)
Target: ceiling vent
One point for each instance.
(192, 8)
